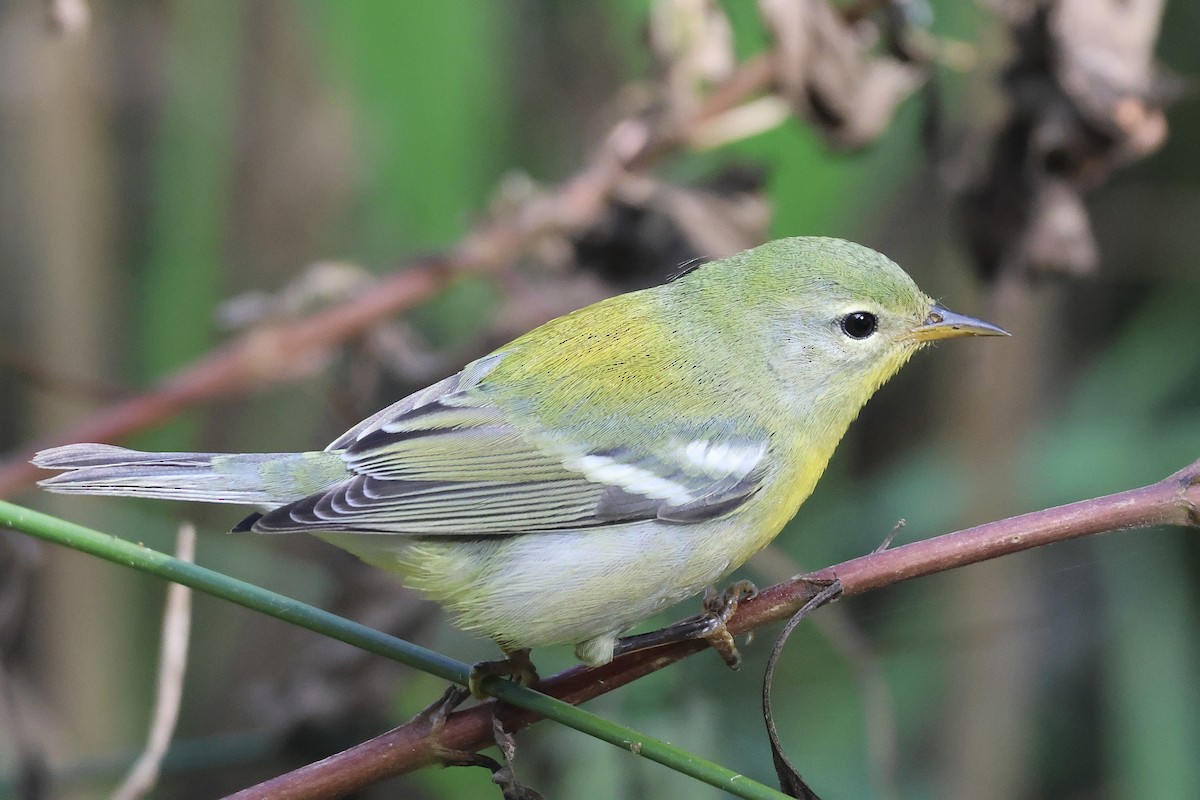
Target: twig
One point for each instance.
(1172, 501)
(177, 623)
(254, 360)
(284, 351)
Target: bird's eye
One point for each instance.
(859, 324)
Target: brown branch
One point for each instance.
(256, 359)
(1172, 501)
(285, 351)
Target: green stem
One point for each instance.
(141, 558)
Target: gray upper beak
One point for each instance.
(942, 323)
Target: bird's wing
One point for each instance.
(452, 462)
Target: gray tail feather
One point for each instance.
(204, 477)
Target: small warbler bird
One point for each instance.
(603, 466)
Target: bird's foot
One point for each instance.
(710, 626)
(515, 664)
(432, 721)
(719, 608)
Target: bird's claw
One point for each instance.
(515, 664)
(720, 607)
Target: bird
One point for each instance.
(598, 469)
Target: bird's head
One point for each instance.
(840, 318)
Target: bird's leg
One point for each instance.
(720, 608)
(432, 721)
(710, 626)
(515, 664)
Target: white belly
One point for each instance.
(558, 588)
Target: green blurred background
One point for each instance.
(180, 154)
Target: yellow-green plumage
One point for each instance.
(601, 467)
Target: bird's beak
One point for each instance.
(945, 324)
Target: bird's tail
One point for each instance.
(252, 478)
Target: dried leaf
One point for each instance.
(505, 777)
(694, 41)
(68, 18)
(1087, 98)
(824, 68)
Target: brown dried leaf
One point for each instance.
(715, 224)
(1087, 98)
(1105, 52)
(504, 777)
(1059, 235)
(824, 68)
(694, 41)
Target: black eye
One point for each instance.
(859, 324)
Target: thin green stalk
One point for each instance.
(142, 558)
(119, 551)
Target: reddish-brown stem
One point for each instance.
(285, 351)
(1172, 501)
(258, 358)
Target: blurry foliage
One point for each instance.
(185, 152)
